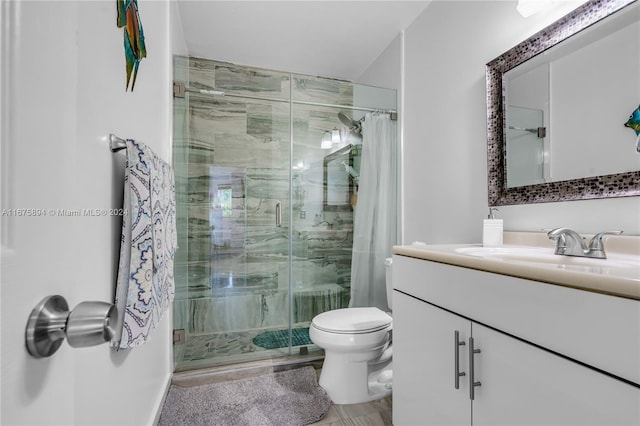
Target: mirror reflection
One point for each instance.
(341, 175)
(565, 108)
(557, 104)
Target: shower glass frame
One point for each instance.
(315, 275)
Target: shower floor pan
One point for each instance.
(222, 348)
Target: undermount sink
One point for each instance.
(538, 255)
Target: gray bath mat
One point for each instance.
(290, 397)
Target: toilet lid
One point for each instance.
(352, 320)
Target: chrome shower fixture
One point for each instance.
(352, 125)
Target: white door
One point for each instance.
(62, 75)
(525, 385)
(37, 250)
(424, 390)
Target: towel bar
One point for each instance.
(117, 144)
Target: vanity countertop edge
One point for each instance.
(602, 282)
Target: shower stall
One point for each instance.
(266, 166)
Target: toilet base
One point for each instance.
(357, 383)
(380, 384)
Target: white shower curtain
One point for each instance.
(375, 212)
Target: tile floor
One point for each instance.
(374, 413)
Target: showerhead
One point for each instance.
(353, 125)
(345, 120)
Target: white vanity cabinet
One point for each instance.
(423, 365)
(520, 382)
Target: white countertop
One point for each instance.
(617, 275)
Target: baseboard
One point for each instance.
(163, 398)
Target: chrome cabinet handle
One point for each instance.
(456, 350)
(472, 382)
(278, 214)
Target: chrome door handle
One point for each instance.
(278, 214)
(88, 324)
(472, 382)
(456, 350)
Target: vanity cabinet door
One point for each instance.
(522, 384)
(424, 362)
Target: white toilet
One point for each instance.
(357, 345)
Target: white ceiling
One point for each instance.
(338, 39)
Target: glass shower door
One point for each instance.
(234, 177)
(525, 146)
(322, 213)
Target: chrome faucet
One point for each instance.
(570, 243)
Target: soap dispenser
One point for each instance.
(492, 230)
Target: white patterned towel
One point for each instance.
(145, 286)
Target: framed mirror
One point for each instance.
(340, 170)
(557, 164)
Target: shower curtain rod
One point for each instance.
(213, 92)
(393, 112)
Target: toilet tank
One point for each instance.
(389, 280)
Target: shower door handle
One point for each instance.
(278, 214)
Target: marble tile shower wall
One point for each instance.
(232, 264)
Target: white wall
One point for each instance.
(178, 42)
(444, 133)
(66, 93)
(386, 71)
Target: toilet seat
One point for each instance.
(352, 321)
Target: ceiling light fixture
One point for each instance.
(326, 140)
(528, 8)
(335, 135)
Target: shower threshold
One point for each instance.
(221, 349)
(244, 369)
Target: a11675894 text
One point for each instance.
(34, 212)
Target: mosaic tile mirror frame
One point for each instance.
(606, 186)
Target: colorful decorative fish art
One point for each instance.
(134, 47)
(634, 123)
